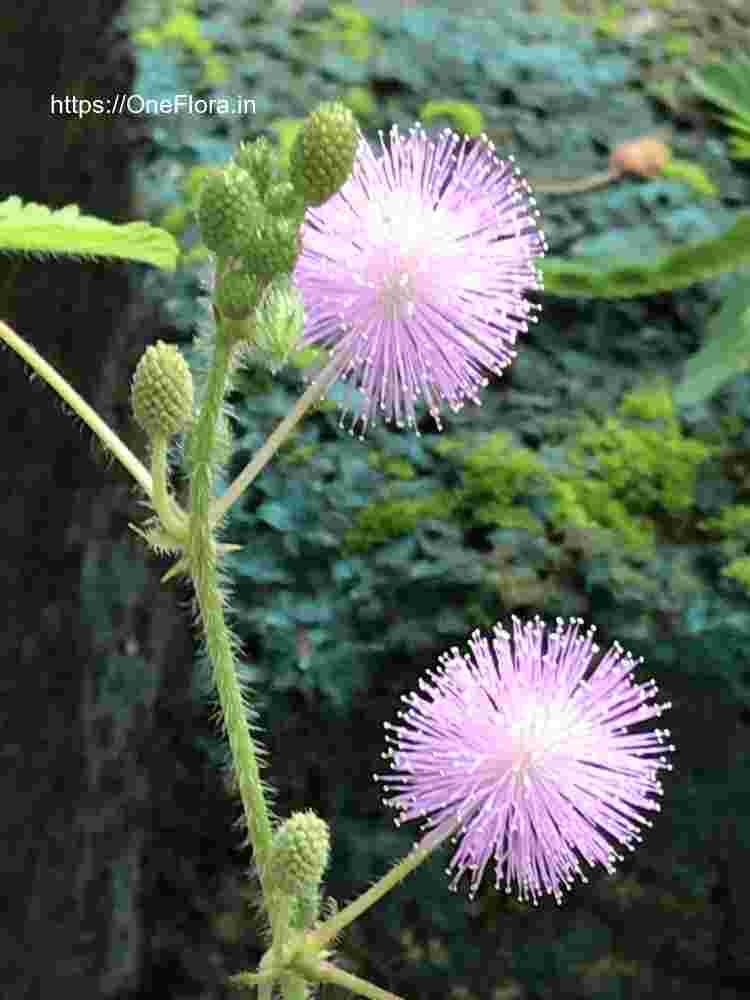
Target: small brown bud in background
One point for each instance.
(645, 157)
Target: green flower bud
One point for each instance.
(323, 153)
(260, 160)
(305, 908)
(299, 853)
(282, 199)
(279, 323)
(229, 204)
(237, 294)
(162, 391)
(272, 247)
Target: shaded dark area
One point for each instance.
(97, 718)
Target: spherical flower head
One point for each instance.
(531, 755)
(414, 274)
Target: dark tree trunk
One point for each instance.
(103, 798)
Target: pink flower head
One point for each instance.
(413, 275)
(528, 754)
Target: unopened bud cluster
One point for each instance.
(251, 211)
(162, 391)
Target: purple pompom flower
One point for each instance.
(527, 753)
(413, 275)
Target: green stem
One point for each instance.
(89, 416)
(327, 931)
(170, 515)
(279, 916)
(293, 988)
(323, 972)
(249, 980)
(264, 454)
(219, 641)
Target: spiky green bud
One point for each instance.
(271, 247)
(279, 322)
(299, 853)
(162, 391)
(260, 160)
(323, 153)
(305, 908)
(283, 199)
(237, 294)
(229, 204)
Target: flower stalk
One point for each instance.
(312, 395)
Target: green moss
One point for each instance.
(181, 27)
(623, 474)
(588, 504)
(648, 468)
(349, 29)
(394, 468)
(732, 521)
(652, 402)
(497, 476)
(389, 519)
(739, 570)
(733, 527)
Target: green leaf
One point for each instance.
(466, 117)
(623, 278)
(725, 353)
(726, 84)
(36, 229)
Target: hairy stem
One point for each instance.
(172, 518)
(89, 416)
(219, 641)
(323, 972)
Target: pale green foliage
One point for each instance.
(36, 229)
(692, 174)
(614, 278)
(728, 85)
(725, 352)
(465, 117)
